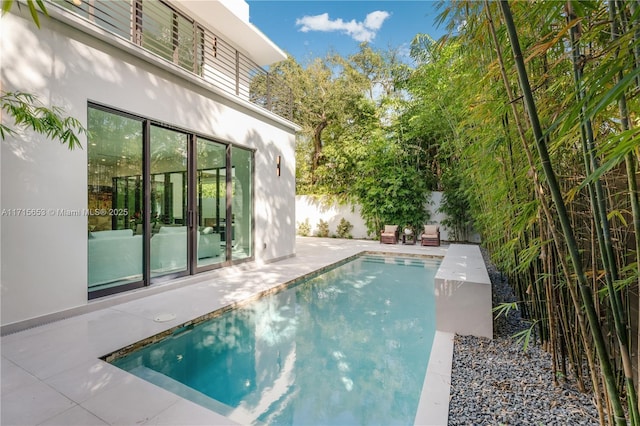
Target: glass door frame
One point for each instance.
(149, 279)
(251, 229)
(194, 213)
(191, 219)
(143, 282)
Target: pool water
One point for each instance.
(349, 346)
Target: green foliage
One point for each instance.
(456, 206)
(504, 309)
(27, 112)
(304, 151)
(344, 229)
(525, 335)
(390, 189)
(341, 104)
(304, 228)
(357, 144)
(322, 229)
(503, 167)
(323, 93)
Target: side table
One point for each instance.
(408, 239)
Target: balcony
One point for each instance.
(171, 35)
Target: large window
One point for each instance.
(162, 202)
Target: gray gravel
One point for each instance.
(494, 382)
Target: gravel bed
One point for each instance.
(494, 382)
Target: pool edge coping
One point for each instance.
(433, 406)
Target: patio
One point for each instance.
(51, 374)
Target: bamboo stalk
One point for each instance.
(635, 207)
(556, 195)
(598, 205)
(550, 314)
(540, 193)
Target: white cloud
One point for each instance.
(359, 31)
(374, 20)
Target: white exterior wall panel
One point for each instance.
(44, 258)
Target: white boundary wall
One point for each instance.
(314, 209)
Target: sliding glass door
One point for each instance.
(169, 224)
(242, 205)
(162, 202)
(211, 202)
(115, 202)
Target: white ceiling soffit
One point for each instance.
(229, 19)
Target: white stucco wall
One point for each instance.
(314, 209)
(44, 258)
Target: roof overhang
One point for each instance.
(229, 19)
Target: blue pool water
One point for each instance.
(347, 347)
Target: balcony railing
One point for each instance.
(169, 34)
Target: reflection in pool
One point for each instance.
(349, 346)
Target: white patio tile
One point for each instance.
(52, 359)
(42, 329)
(83, 339)
(88, 380)
(193, 303)
(14, 377)
(32, 404)
(130, 403)
(76, 416)
(120, 331)
(17, 346)
(187, 411)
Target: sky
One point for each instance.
(307, 29)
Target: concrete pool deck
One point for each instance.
(52, 375)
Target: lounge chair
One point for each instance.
(430, 236)
(389, 235)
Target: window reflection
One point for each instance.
(168, 201)
(216, 216)
(115, 200)
(211, 202)
(242, 205)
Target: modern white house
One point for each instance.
(188, 164)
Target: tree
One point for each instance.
(321, 98)
(353, 146)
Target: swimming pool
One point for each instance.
(348, 346)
